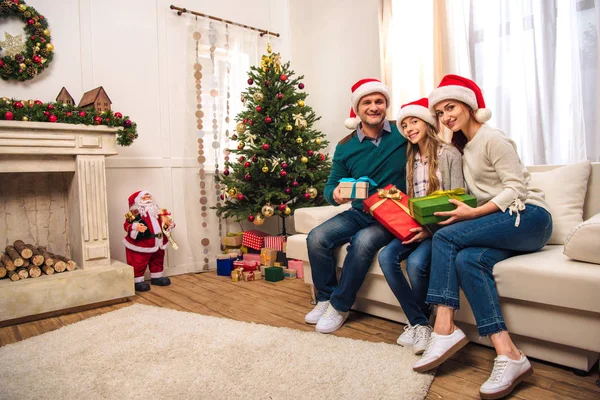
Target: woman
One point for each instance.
(511, 218)
(431, 165)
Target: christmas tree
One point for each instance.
(279, 164)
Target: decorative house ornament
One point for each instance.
(96, 99)
(65, 97)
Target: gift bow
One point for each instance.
(299, 120)
(251, 137)
(232, 234)
(392, 194)
(355, 181)
(453, 194)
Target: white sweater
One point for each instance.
(494, 172)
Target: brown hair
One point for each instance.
(432, 144)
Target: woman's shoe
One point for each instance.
(439, 349)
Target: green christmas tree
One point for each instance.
(280, 162)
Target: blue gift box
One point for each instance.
(224, 267)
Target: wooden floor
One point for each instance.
(285, 304)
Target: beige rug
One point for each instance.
(145, 352)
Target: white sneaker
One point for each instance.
(439, 349)
(422, 334)
(506, 375)
(407, 337)
(315, 315)
(331, 321)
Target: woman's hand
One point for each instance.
(461, 213)
(421, 235)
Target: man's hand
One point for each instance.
(141, 228)
(421, 235)
(337, 196)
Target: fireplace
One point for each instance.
(53, 193)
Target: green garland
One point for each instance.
(38, 51)
(36, 111)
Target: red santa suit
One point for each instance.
(144, 248)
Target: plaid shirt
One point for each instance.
(421, 174)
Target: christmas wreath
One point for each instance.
(23, 61)
(35, 110)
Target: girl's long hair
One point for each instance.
(432, 144)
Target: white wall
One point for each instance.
(135, 49)
(334, 44)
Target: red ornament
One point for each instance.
(248, 177)
(36, 59)
(283, 174)
(30, 22)
(118, 115)
(295, 184)
(254, 158)
(226, 172)
(52, 118)
(46, 113)
(8, 116)
(247, 164)
(127, 123)
(50, 107)
(288, 190)
(241, 146)
(280, 96)
(310, 153)
(1, 63)
(283, 77)
(251, 218)
(82, 113)
(250, 81)
(266, 83)
(245, 120)
(322, 157)
(242, 159)
(266, 146)
(106, 119)
(68, 113)
(18, 104)
(258, 108)
(307, 196)
(284, 165)
(98, 120)
(301, 85)
(222, 197)
(250, 122)
(268, 120)
(281, 207)
(38, 102)
(240, 197)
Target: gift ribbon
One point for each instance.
(231, 234)
(392, 194)
(355, 181)
(453, 194)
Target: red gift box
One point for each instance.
(246, 265)
(254, 239)
(389, 206)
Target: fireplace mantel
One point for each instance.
(80, 151)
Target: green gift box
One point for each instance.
(422, 208)
(273, 274)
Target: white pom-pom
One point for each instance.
(483, 115)
(351, 123)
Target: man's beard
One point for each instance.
(149, 208)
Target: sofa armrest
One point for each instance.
(307, 218)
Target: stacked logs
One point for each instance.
(21, 261)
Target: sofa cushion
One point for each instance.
(549, 277)
(309, 217)
(565, 189)
(582, 242)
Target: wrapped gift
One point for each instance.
(248, 275)
(275, 242)
(281, 258)
(254, 239)
(235, 254)
(257, 275)
(273, 274)
(351, 188)
(289, 273)
(298, 265)
(236, 274)
(268, 256)
(246, 265)
(389, 206)
(251, 257)
(232, 240)
(224, 266)
(422, 208)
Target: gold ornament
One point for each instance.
(233, 192)
(312, 191)
(288, 127)
(23, 66)
(12, 45)
(317, 141)
(299, 140)
(300, 121)
(287, 211)
(240, 127)
(259, 219)
(269, 48)
(301, 103)
(25, 119)
(49, 46)
(304, 160)
(265, 169)
(22, 7)
(47, 32)
(267, 210)
(258, 97)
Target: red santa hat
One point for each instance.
(134, 199)
(359, 90)
(454, 87)
(419, 109)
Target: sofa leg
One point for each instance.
(313, 296)
(580, 372)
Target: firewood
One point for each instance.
(34, 271)
(3, 271)
(48, 260)
(70, 264)
(59, 266)
(26, 263)
(7, 262)
(13, 276)
(23, 273)
(14, 256)
(23, 250)
(37, 258)
(48, 270)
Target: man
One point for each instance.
(375, 149)
(145, 242)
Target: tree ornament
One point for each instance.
(289, 127)
(287, 211)
(266, 83)
(234, 137)
(240, 146)
(226, 172)
(307, 195)
(240, 127)
(240, 196)
(127, 123)
(81, 113)
(295, 184)
(266, 146)
(247, 164)
(267, 210)
(251, 218)
(268, 120)
(52, 118)
(283, 77)
(232, 192)
(254, 159)
(301, 85)
(299, 140)
(118, 115)
(250, 81)
(259, 219)
(301, 103)
(18, 104)
(258, 108)
(265, 169)
(250, 122)
(8, 116)
(322, 157)
(312, 191)
(304, 160)
(284, 165)
(310, 153)
(282, 207)
(242, 159)
(258, 97)
(248, 177)
(25, 119)
(288, 190)
(317, 141)
(280, 95)
(283, 173)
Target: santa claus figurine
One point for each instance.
(145, 241)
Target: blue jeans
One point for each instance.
(464, 255)
(418, 256)
(366, 237)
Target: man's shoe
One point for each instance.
(331, 321)
(162, 281)
(439, 349)
(315, 315)
(506, 375)
(141, 287)
(407, 337)
(422, 334)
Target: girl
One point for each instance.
(511, 218)
(431, 165)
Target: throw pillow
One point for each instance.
(565, 188)
(582, 241)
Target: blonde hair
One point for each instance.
(432, 144)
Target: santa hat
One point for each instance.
(419, 109)
(456, 87)
(359, 90)
(134, 199)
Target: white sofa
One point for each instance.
(550, 302)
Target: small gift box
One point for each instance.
(224, 266)
(232, 240)
(254, 239)
(251, 257)
(356, 188)
(281, 258)
(298, 265)
(248, 275)
(289, 273)
(389, 206)
(236, 274)
(273, 274)
(275, 242)
(235, 254)
(268, 256)
(246, 265)
(422, 208)
(257, 275)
